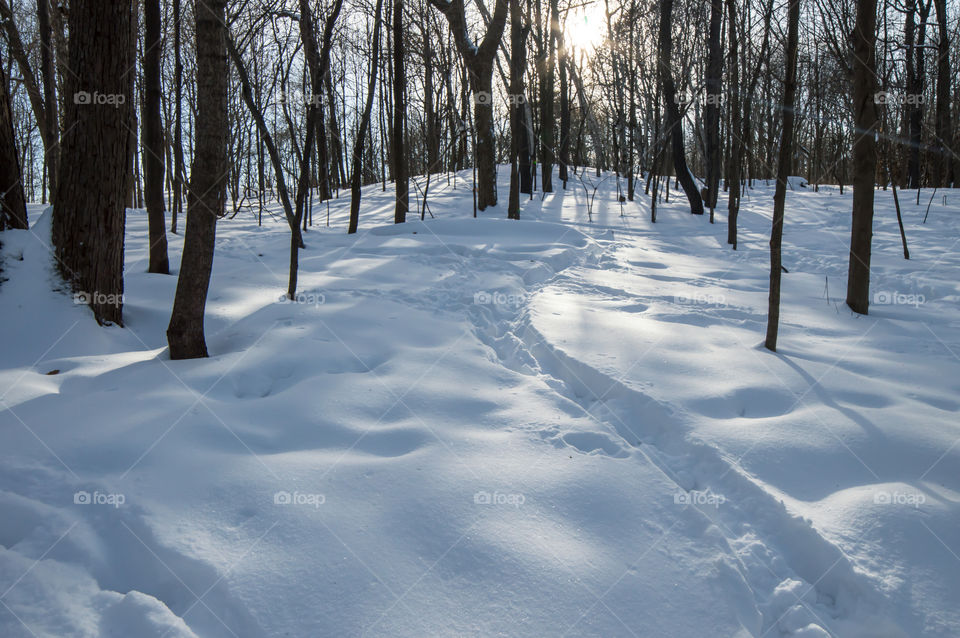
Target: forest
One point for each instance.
(455, 284)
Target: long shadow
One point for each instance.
(828, 400)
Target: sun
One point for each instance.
(586, 27)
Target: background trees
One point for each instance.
(662, 94)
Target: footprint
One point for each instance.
(589, 442)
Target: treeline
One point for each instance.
(225, 107)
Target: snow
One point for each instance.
(487, 427)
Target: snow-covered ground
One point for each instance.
(480, 427)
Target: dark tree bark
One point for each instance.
(914, 63)
(518, 125)
(944, 126)
(153, 137)
(547, 88)
(736, 129)
(564, 116)
(399, 116)
(13, 208)
(88, 207)
(864, 154)
(50, 111)
(783, 172)
(207, 190)
(357, 174)
(712, 111)
(429, 109)
(18, 53)
(178, 168)
(674, 117)
(479, 61)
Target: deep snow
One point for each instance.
(482, 427)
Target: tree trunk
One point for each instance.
(547, 88)
(736, 130)
(712, 114)
(207, 189)
(13, 208)
(564, 116)
(153, 163)
(51, 119)
(88, 207)
(944, 127)
(518, 125)
(674, 117)
(864, 154)
(357, 177)
(399, 115)
(178, 169)
(479, 61)
(783, 173)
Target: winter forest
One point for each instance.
(547, 318)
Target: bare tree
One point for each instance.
(207, 190)
(400, 158)
(518, 62)
(357, 175)
(153, 137)
(88, 207)
(865, 120)
(479, 62)
(674, 117)
(783, 172)
(13, 209)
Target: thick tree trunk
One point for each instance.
(13, 208)
(944, 127)
(207, 189)
(88, 207)
(736, 129)
(864, 154)
(484, 138)
(783, 172)
(153, 137)
(674, 117)
(547, 87)
(518, 125)
(399, 116)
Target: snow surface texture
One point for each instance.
(552, 427)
